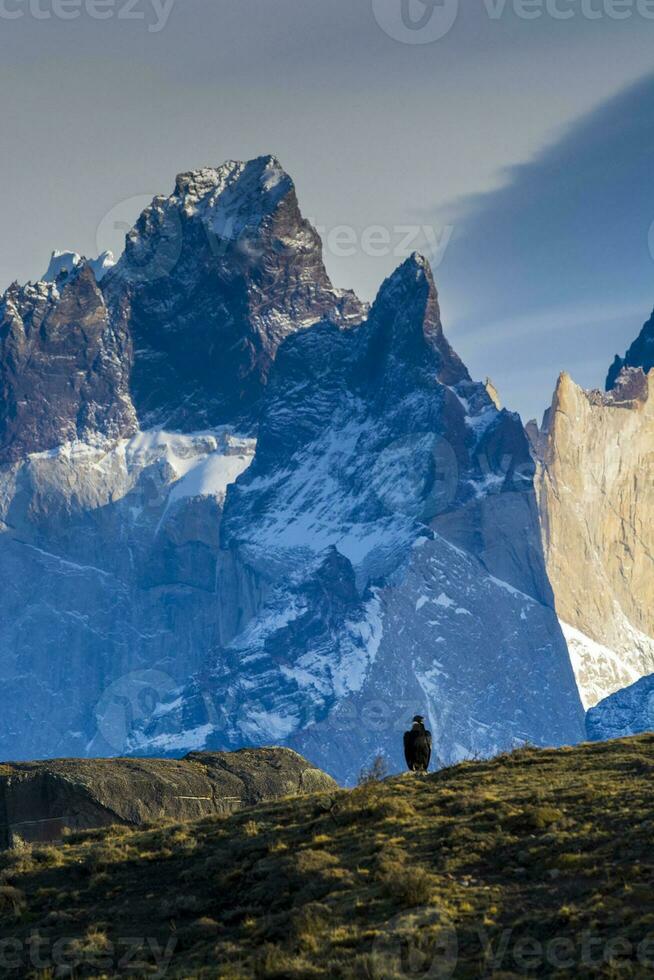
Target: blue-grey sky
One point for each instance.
(518, 138)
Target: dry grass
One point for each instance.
(12, 903)
(507, 856)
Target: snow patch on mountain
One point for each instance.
(237, 196)
(109, 555)
(599, 670)
(66, 262)
(101, 266)
(210, 477)
(317, 507)
(61, 262)
(195, 464)
(180, 743)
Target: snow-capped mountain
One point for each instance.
(212, 279)
(109, 532)
(108, 557)
(380, 555)
(244, 509)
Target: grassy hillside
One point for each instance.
(535, 863)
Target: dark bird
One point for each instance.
(417, 746)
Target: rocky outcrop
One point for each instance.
(389, 522)
(639, 355)
(40, 801)
(212, 279)
(64, 366)
(595, 485)
(493, 393)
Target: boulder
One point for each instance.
(39, 801)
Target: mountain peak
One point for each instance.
(412, 280)
(386, 518)
(418, 260)
(408, 316)
(414, 269)
(235, 195)
(60, 263)
(639, 355)
(217, 275)
(64, 367)
(63, 263)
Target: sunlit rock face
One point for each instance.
(255, 512)
(380, 556)
(595, 485)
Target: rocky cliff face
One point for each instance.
(212, 279)
(384, 555)
(596, 496)
(64, 366)
(40, 801)
(595, 486)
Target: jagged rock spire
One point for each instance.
(639, 355)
